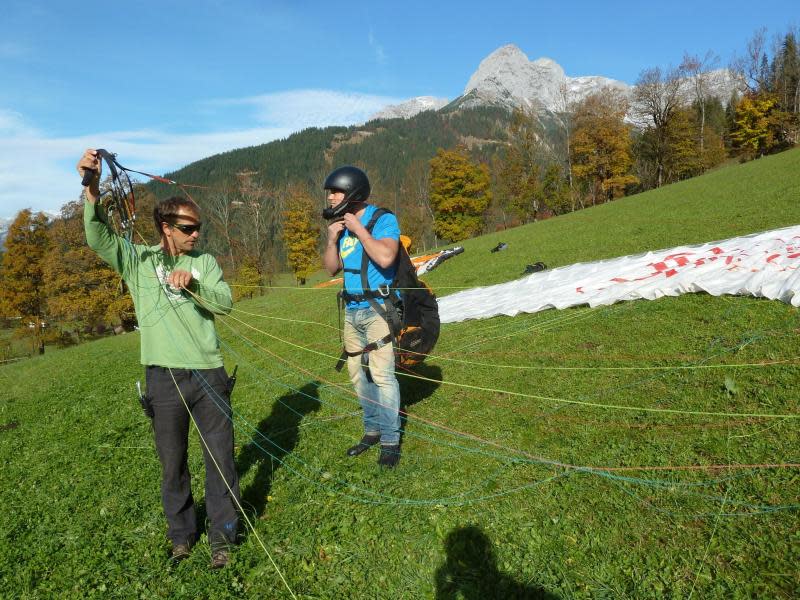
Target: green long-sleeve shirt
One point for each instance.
(177, 330)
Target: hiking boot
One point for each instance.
(180, 552)
(390, 456)
(219, 557)
(365, 444)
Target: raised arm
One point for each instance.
(113, 249)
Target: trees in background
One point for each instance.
(656, 97)
(521, 171)
(767, 119)
(459, 194)
(416, 217)
(601, 146)
(23, 296)
(83, 293)
(301, 233)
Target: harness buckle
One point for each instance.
(383, 290)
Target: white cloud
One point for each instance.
(38, 170)
(298, 109)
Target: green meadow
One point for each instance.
(526, 471)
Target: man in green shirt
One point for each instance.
(176, 291)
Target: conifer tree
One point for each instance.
(459, 193)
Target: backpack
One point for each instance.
(409, 308)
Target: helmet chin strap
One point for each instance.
(333, 212)
(338, 211)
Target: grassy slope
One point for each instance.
(80, 476)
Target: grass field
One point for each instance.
(506, 495)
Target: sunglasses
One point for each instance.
(186, 228)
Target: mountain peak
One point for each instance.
(409, 108)
(507, 51)
(508, 78)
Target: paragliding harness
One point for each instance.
(409, 308)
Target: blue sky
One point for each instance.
(165, 83)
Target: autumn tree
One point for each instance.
(753, 130)
(248, 281)
(601, 145)
(301, 233)
(459, 194)
(82, 291)
(23, 294)
(556, 190)
(683, 154)
(520, 172)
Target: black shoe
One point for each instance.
(180, 552)
(365, 444)
(390, 456)
(220, 557)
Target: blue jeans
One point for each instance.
(379, 400)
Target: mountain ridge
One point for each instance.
(508, 78)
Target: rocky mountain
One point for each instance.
(507, 78)
(408, 109)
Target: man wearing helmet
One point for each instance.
(365, 331)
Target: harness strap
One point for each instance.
(383, 292)
(364, 353)
(388, 311)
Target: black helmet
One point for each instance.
(355, 185)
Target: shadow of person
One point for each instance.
(275, 439)
(471, 572)
(418, 383)
(413, 389)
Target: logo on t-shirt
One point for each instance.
(173, 294)
(349, 244)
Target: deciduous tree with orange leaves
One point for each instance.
(22, 291)
(601, 145)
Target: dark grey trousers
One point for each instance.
(205, 393)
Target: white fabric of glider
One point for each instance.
(763, 265)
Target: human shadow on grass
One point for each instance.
(471, 572)
(415, 385)
(276, 437)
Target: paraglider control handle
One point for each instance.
(88, 176)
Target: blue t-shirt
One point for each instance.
(351, 251)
